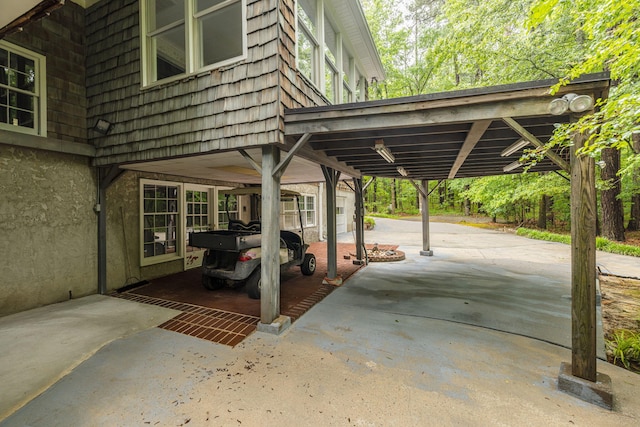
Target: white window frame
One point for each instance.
(293, 213)
(192, 41)
(209, 215)
(304, 210)
(40, 95)
(180, 224)
(346, 83)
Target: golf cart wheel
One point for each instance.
(308, 265)
(210, 283)
(254, 283)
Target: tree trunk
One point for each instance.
(467, 203)
(542, 212)
(393, 196)
(375, 195)
(634, 218)
(612, 212)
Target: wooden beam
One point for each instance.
(475, 133)
(418, 188)
(424, 198)
(252, 162)
(282, 166)
(270, 266)
(583, 263)
(298, 124)
(332, 177)
(535, 141)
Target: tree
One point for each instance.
(634, 214)
(610, 31)
(612, 213)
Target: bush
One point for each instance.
(369, 223)
(602, 244)
(625, 348)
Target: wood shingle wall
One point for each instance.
(60, 38)
(231, 107)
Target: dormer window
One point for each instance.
(22, 90)
(183, 37)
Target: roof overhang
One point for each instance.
(16, 14)
(351, 21)
(442, 135)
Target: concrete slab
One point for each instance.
(471, 336)
(41, 346)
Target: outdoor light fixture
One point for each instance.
(512, 166)
(102, 126)
(520, 144)
(384, 151)
(402, 171)
(571, 101)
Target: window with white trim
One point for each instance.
(290, 218)
(197, 215)
(321, 55)
(182, 37)
(161, 221)
(22, 90)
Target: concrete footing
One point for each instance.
(426, 253)
(279, 325)
(598, 393)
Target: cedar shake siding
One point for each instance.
(60, 38)
(227, 108)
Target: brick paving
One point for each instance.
(227, 316)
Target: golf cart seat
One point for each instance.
(293, 241)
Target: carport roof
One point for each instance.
(442, 135)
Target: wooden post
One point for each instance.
(583, 263)
(424, 197)
(360, 255)
(270, 266)
(331, 176)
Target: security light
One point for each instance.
(571, 101)
(102, 126)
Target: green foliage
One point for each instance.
(369, 222)
(513, 195)
(602, 244)
(625, 348)
(610, 32)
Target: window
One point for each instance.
(322, 56)
(308, 46)
(184, 37)
(197, 212)
(226, 205)
(22, 90)
(291, 218)
(161, 227)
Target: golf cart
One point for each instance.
(233, 256)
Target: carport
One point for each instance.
(467, 133)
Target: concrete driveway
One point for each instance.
(471, 336)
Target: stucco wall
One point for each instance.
(48, 228)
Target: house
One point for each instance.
(121, 121)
